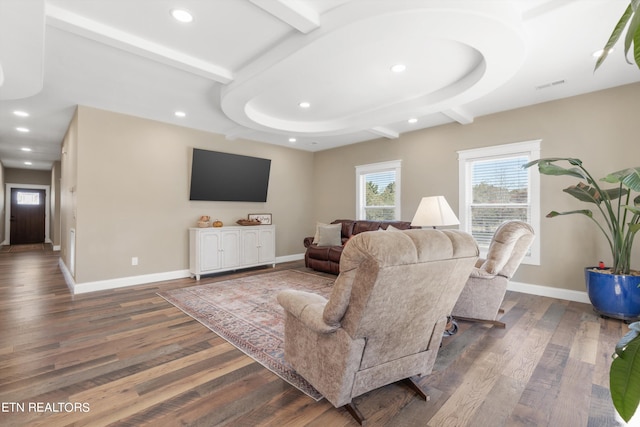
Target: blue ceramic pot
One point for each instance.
(616, 296)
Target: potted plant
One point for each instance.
(613, 291)
(624, 374)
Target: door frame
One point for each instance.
(7, 217)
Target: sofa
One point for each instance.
(385, 317)
(324, 249)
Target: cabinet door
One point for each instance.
(230, 248)
(209, 251)
(267, 245)
(250, 242)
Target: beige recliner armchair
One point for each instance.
(386, 315)
(482, 296)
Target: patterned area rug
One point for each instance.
(246, 313)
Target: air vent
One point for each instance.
(552, 84)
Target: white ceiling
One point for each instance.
(242, 67)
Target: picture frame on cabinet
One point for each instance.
(264, 218)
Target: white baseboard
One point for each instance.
(121, 282)
(68, 278)
(548, 291)
(289, 258)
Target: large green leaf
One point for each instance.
(632, 34)
(584, 193)
(615, 193)
(615, 35)
(629, 177)
(586, 212)
(636, 45)
(632, 180)
(624, 374)
(547, 168)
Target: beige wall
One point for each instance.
(27, 176)
(131, 179)
(67, 190)
(600, 128)
(125, 182)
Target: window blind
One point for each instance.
(499, 192)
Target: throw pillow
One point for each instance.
(392, 228)
(315, 236)
(330, 235)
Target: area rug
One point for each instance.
(246, 313)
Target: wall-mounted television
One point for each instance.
(225, 177)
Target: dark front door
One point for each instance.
(27, 216)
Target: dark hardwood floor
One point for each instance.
(126, 357)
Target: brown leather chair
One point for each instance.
(386, 314)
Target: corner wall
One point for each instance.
(600, 128)
(131, 195)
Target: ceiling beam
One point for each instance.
(385, 132)
(237, 132)
(96, 31)
(292, 12)
(459, 115)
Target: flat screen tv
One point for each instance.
(225, 177)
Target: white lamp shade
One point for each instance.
(434, 211)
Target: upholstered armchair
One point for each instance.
(484, 292)
(385, 317)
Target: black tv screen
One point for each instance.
(228, 177)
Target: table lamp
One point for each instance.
(434, 211)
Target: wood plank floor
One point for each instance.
(126, 357)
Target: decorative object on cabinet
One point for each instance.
(204, 221)
(264, 218)
(248, 222)
(217, 223)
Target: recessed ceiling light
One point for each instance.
(292, 140)
(22, 129)
(28, 163)
(26, 149)
(304, 104)
(398, 68)
(413, 120)
(182, 15)
(21, 113)
(180, 114)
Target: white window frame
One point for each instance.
(362, 170)
(531, 149)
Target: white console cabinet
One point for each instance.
(214, 250)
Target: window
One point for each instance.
(24, 198)
(494, 188)
(378, 191)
